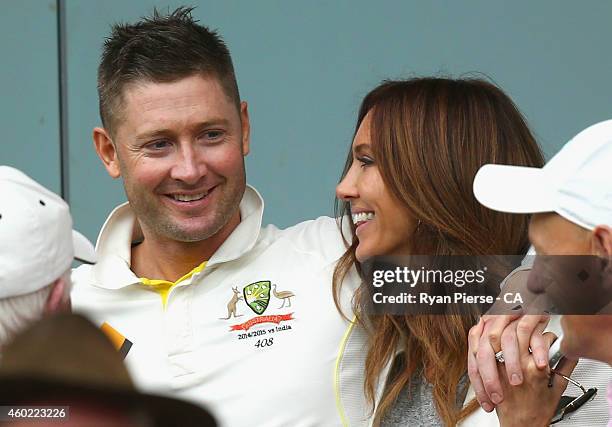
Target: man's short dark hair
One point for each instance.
(161, 48)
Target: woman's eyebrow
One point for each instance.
(360, 148)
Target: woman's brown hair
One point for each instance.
(429, 137)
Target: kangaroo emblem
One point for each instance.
(231, 305)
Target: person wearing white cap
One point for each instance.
(571, 199)
(37, 247)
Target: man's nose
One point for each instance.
(189, 167)
(538, 279)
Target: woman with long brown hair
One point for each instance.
(407, 190)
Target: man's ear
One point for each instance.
(602, 241)
(246, 128)
(57, 301)
(602, 247)
(106, 151)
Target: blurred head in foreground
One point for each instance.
(67, 363)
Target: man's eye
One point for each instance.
(158, 145)
(213, 135)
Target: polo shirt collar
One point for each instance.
(114, 245)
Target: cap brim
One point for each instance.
(83, 249)
(514, 189)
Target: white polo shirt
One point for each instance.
(273, 361)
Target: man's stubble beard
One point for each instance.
(153, 216)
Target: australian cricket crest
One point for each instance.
(257, 296)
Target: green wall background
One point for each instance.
(303, 67)
(29, 90)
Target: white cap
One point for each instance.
(37, 242)
(576, 183)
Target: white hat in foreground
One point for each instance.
(576, 183)
(37, 242)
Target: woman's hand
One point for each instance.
(501, 332)
(508, 333)
(532, 402)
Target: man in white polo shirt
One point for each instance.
(37, 247)
(571, 199)
(219, 309)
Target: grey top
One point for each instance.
(415, 405)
